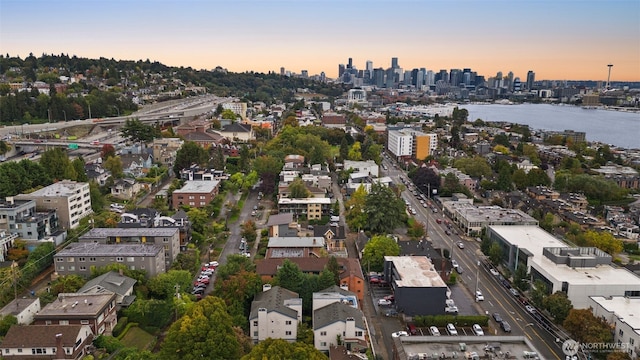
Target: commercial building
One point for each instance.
(472, 219)
(578, 272)
(411, 143)
(70, 199)
(79, 258)
(196, 194)
(167, 237)
(463, 347)
(622, 314)
(418, 287)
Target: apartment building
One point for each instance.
(70, 199)
(98, 311)
(195, 193)
(275, 313)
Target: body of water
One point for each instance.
(618, 128)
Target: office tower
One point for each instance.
(517, 86)
(394, 63)
(378, 78)
(455, 77)
(407, 78)
(369, 66)
(323, 77)
(466, 76)
(350, 64)
(340, 70)
(282, 71)
(429, 78)
(531, 77)
(419, 80)
(510, 81)
(390, 78)
(442, 75)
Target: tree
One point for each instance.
(558, 305)
(355, 216)
(166, 285)
(298, 189)
(334, 268)
(98, 201)
(249, 231)
(205, 331)
(78, 166)
(376, 249)
(237, 291)
(6, 322)
(603, 240)
(538, 293)
(107, 151)
(426, 180)
(416, 230)
(355, 152)
(344, 149)
(384, 210)
(586, 327)
(281, 349)
(520, 179)
(190, 153)
(57, 165)
(290, 277)
(66, 284)
(476, 167)
(520, 277)
(228, 114)
(495, 254)
(113, 164)
(134, 130)
(268, 168)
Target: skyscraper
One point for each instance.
(531, 77)
(378, 77)
(369, 66)
(350, 64)
(394, 63)
(340, 70)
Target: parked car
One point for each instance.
(447, 232)
(391, 312)
(434, 331)
(439, 221)
(399, 333)
(477, 330)
(213, 264)
(460, 244)
(494, 272)
(454, 263)
(451, 329)
(391, 298)
(451, 310)
(530, 309)
(384, 302)
(459, 269)
(514, 292)
(505, 326)
(479, 296)
(412, 329)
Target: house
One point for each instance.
(78, 258)
(95, 172)
(237, 132)
(98, 311)
(125, 189)
(335, 323)
(112, 282)
(136, 165)
(288, 247)
(165, 149)
(334, 237)
(333, 120)
(23, 309)
(351, 275)
(275, 313)
(70, 199)
(167, 237)
(332, 295)
(282, 225)
(293, 161)
(46, 342)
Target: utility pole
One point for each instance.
(14, 265)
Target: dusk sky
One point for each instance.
(557, 39)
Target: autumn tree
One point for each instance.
(113, 164)
(416, 229)
(355, 152)
(107, 151)
(586, 327)
(355, 215)
(376, 249)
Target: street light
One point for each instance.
(65, 115)
(117, 109)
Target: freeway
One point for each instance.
(475, 274)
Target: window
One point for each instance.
(83, 268)
(131, 259)
(288, 322)
(84, 322)
(287, 332)
(358, 333)
(255, 323)
(72, 268)
(323, 343)
(631, 341)
(70, 259)
(92, 259)
(255, 334)
(81, 259)
(323, 333)
(620, 333)
(59, 259)
(63, 322)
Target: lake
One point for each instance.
(618, 128)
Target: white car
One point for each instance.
(434, 331)
(384, 302)
(399, 333)
(477, 330)
(451, 329)
(454, 264)
(530, 309)
(494, 272)
(479, 296)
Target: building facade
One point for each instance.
(275, 313)
(98, 311)
(196, 194)
(70, 199)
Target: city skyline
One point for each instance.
(558, 40)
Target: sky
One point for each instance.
(557, 39)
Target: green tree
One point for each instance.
(56, 164)
(113, 164)
(384, 210)
(520, 179)
(165, 286)
(355, 215)
(603, 240)
(199, 219)
(495, 254)
(249, 231)
(290, 277)
(237, 291)
(98, 201)
(334, 268)
(298, 189)
(538, 293)
(355, 152)
(268, 168)
(78, 166)
(416, 230)
(229, 115)
(376, 249)
(6, 322)
(134, 130)
(190, 153)
(344, 149)
(520, 277)
(281, 349)
(558, 305)
(476, 167)
(205, 331)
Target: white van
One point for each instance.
(334, 218)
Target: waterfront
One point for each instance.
(618, 128)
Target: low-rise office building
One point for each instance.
(79, 258)
(418, 287)
(472, 219)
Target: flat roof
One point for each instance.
(483, 214)
(626, 309)
(311, 200)
(409, 346)
(62, 188)
(94, 249)
(198, 186)
(76, 304)
(125, 232)
(415, 271)
(296, 242)
(530, 237)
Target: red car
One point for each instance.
(391, 298)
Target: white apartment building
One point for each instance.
(275, 313)
(400, 143)
(337, 320)
(70, 199)
(623, 313)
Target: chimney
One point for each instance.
(10, 199)
(120, 272)
(59, 349)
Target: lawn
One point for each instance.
(137, 338)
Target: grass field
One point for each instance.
(137, 338)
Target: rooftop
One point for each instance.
(62, 188)
(532, 238)
(415, 271)
(463, 346)
(295, 242)
(626, 309)
(125, 232)
(71, 304)
(313, 200)
(205, 187)
(16, 306)
(274, 300)
(280, 219)
(42, 336)
(336, 312)
(94, 249)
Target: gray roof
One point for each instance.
(280, 219)
(94, 249)
(236, 127)
(273, 300)
(37, 336)
(111, 281)
(125, 232)
(338, 290)
(295, 242)
(17, 306)
(336, 312)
